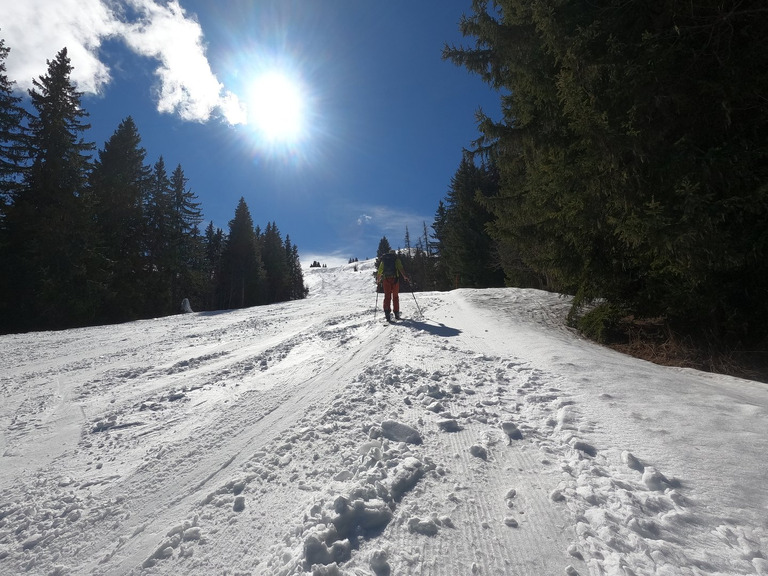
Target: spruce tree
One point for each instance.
(241, 282)
(193, 282)
(49, 232)
(466, 246)
(297, 289)
(427, 243)
(632, 153)
(426, 262)
(185, 260)
(118, 189)
(12, 135)
(12, 168)
(382, 249)
(442, 279)
(213, 247)
(407, 241)
(160, 236)
(420, 266)
(275, 265)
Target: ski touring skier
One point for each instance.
(391, 270)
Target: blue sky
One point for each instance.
(383, 124)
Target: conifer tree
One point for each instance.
(275, 264)
(424, 272)
(185, 262)
(382, 249)
(442, 279)
(49, 232)
(407, 241)
(631, 152)
(427, 244)
(466, 247)
(407, 256)
(297, 289)
(12, 167)
(438, 227)
(241, 282)
(160, 236)
(193, 282)
(213, 248)
(12, 141)
(185, 207)
(119, 186)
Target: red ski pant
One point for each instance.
(391, 293)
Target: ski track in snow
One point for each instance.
(305, 437)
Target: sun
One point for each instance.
(276, 107)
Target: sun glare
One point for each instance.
(276, 107)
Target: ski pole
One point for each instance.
(414, 299)
(376, 307)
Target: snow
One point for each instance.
(481, 436)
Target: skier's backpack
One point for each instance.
(390, 271)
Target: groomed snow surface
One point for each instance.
(477, 436)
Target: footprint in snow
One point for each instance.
(511, 522)
(478, 451)
(585, 447)
(629, 459)
(656, 481)
(426, 527)
(512, 431)
(399, 432)
(449, 425)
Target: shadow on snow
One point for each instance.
(436, 329)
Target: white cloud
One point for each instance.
(36, 30)
(393, 221)
(188, 86)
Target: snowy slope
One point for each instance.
(478, 437)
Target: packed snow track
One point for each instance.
(477, 436)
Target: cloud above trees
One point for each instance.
(164, 33)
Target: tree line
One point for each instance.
(456, 250)
(629, 167)
(100, 238)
